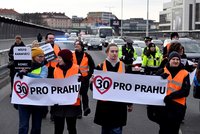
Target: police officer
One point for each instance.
(86, 69)
(127, 54)
(151, 59)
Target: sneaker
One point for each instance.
(87, 111)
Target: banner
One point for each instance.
(131, 88)
(45, 91)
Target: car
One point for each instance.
(64, 43)
(118, 41)
(139, 43)
(95, 43)
(137, 64)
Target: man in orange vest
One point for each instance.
(49, 38)
(86, 69)
(178, 89)
(174, 36)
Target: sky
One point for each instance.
(80, 8)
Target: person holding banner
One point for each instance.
(175, 100)
(86, 67)
(64, 69)
(38, 70)
(112, 116)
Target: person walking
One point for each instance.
(68, 113)
(151, 60)
(86, 69)
(38, 70)
(178, 89)
(11, 66)
(127, 54)
(112, 116)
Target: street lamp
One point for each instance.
(147, 25)
(121, 18)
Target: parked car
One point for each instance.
(63, 43)
(137, 64)
(95, 43)
(139, 43)
(117, 41)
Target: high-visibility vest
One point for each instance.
(175, 84)
(37, 71)
(54, 62)
(152, 61)
(120, 69)
(168, 46)
(83, 67)
(58, 74)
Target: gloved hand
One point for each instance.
(164, 75)
(21, 74)
(167, 99)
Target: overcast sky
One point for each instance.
(80, 8)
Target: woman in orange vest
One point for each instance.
(64, 69)
(112, 116)
(178, 89)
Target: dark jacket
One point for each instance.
(11, 58)
(66, 110)
(108, 113)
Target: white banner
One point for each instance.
(131, 88)
(45, 91)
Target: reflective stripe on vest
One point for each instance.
(54, 62)
(58, 74)
(83, 67)
(37, 71)
(175, 84)
(120, 69)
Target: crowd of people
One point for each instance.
(111, 116)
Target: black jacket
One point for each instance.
(108, 113)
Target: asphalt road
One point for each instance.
(137, 122)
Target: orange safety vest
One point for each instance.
(175, 84)
(120, 69)
(58, 74)
(83, 67)
(168, 46)
(55, 61)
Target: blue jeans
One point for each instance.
(24, 115)
(111, 130)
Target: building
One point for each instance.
(180, 15)
(57, 20)
(100, 18)
(10, 13)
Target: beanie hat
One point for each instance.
(151, 45)
(66, 55)
(36, 51)
(174, 54)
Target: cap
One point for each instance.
(174, 54)
(151, 45)
(66, 55)
(147, 39)
(36, 51)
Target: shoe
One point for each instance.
(79, 116)
(87, 111)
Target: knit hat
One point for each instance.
(36, 51)
(151, 45)
(174, 54)
(66, 55)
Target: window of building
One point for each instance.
(197, 17)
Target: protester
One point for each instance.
(49, 38)
(178, 89)
(11, 66)
(35, 43)
(112, 116)
(86, 69)
(64, 69)
(38, 70)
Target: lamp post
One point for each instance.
(121, 18)
(147, 25)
